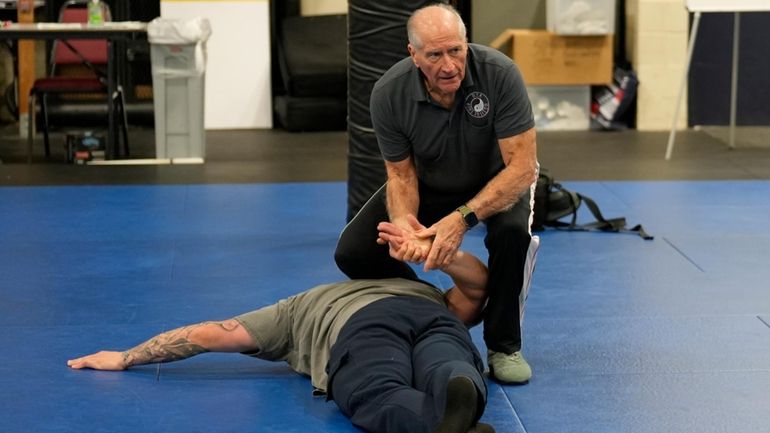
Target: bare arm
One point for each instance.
(500, 193)
(174, 345)
(402, 196)
(469, 275)
(503, 191)
(403, 201)
(469, 294)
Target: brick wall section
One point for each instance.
(656, 39)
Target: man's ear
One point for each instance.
(413, 54)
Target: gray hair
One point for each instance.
(411, 30)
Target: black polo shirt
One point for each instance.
(455, 150)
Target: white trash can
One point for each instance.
(178, 56)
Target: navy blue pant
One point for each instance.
(507, 240)
(389, 368)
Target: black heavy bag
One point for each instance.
(376, 41)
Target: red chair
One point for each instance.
(77, 71)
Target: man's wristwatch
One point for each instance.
(469, 217)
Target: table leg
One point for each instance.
(734, 79)
(690, 47)
(112, 145)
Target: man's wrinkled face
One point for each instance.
(441, 58)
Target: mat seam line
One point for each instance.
(763, 321)
(683, 254)
(513, 408)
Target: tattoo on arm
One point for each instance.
(169, 346)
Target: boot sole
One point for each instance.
(460, 408)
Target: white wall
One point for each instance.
(238, 94)
(323, 7)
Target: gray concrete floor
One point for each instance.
(247, 156)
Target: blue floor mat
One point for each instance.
(624, 335)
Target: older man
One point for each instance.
(455, 128)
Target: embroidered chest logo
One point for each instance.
(477, 105)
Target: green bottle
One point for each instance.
(95, 14)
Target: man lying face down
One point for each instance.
(395, 355)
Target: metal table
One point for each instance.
(111, 31)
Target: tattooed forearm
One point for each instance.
(169, 346)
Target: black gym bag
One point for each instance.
(554, 202)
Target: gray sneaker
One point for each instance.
(505, 368)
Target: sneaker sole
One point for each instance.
(504, 382)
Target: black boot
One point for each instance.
(460, 409)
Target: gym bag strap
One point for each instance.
(553, 202)
(606, 225)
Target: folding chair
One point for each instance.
(77, 68)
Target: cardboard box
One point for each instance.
(545, 58)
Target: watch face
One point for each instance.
(471, 219)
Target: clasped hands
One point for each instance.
(435, 246)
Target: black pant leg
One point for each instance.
(444, 350)
(358, 254)
(373, 375)
(508, 242)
